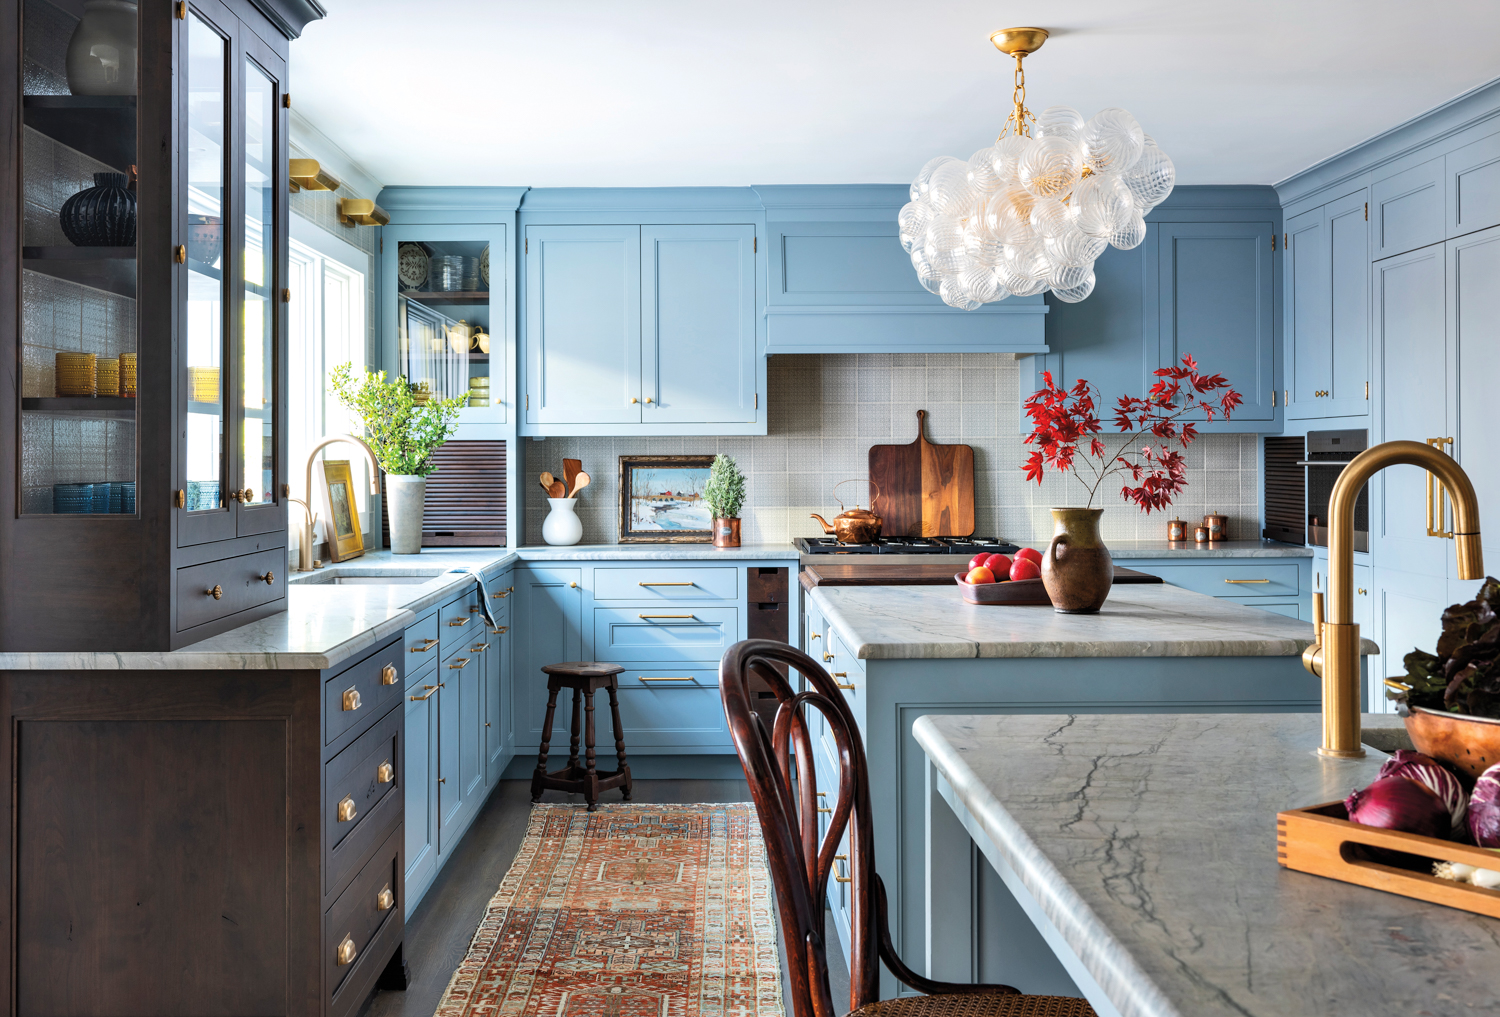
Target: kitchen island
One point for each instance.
(1143, 849)
(902, 652)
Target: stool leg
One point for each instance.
(577, 728)
(540, 774)
(614, 712)
(590, 772)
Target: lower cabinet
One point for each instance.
(1280, 585)
(421, 780)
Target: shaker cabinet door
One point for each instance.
(1309, 316)
(1473, 307)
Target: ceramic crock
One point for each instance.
(405, 496)
(102, 53)
(102, 215)
(1077, 570)
(562, 525)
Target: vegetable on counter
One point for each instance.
(1464, 675)
(1432, 775)
(1484, 809)
(1399, 803)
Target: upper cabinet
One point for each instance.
(1327, 310)
(151, 493)
(1406, 210)
(641, 329)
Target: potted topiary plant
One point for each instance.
(404, 436)
(724, 494)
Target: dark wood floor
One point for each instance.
(438, 934)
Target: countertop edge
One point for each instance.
(1129, 988)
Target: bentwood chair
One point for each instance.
(800, 863)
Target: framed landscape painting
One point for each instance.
(661, 500)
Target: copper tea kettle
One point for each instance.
(852, 526)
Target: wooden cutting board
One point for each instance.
(925, 490)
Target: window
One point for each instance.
(327, 328)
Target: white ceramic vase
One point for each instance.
(562, 525)
(102, 52)
(404, 498)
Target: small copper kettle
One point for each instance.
(852, 526)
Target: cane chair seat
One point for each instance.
(972, 1005)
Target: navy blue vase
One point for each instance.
(103, 215)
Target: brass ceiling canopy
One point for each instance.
(1019, 41)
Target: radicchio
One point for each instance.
(1484, 809)
(1399, 803)
(1434, 776)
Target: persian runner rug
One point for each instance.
(631, 911)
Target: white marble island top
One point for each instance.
(934, 622)
(1149, 843)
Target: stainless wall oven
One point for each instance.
(1327, 452)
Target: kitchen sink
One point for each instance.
(338, 577)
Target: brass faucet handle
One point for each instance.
(1317, 618)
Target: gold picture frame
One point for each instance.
(345, 538)
(661, 500)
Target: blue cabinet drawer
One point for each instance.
(1287, 608)
(664, 634)
(1237, 580)
(671, 676)
(667, 585)
(422, 641)
(658, 717)
(460, 621)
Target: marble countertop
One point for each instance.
(932, 622)
(1149, 842)
(1124, 550)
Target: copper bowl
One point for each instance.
(1469, 744)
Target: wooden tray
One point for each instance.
(1322, 841)
(1015, 592)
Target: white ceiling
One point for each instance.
(554, 93)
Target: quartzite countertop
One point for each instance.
(325, 624)
(1148, 842)
(934, 622)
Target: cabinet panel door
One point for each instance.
(698, 324)
(1411, 403)
(1474, 186)
(1408, 616)
(471, 681)
(1406, 210)
(496, 700)
(1217, 301)
(549, 612)
(1308, 314)
(583, 325)
(1349, 259)
(1474, 350)
(450, 795)
(420, 788)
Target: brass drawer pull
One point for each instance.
(431, 689)
(347, 810)
(1241, 581)
(827, 657)
(689, 678)
(502, 630)
(816, 636)
(217, 592)
(650, 617)
(388, 675)
(385, 773)
(385, 899)
(823, 809)
(427, 644)
(351, 699)
(475, 609)
(346, 952)
(666, 584)
(459, 623)
(1361, 591)
(503, 593)
(836, 876)
(459, 664)
(269, 578)
(480, 648)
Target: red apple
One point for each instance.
(998, 564)
(1025, 568)
(1031, 554)
(979, 559)
(979, 576)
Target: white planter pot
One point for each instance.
(404, 498)
(562, 525)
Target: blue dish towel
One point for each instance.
(484, 595)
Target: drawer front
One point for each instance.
(670, 676)
(1288, 608)
(371, 901)
(667, 585)
(459, 621)
(355, 780)
(502, 592)
(422, 673)
(836, 656)
(664, 633)
(240, 582)
(422, 641)
(354, 697)
(1236, 580)
(661, 717)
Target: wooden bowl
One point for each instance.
(1469, 744)
(1016, 592)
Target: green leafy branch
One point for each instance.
(403, 434)
(724, 494)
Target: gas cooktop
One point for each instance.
(966, 546)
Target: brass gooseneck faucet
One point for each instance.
(304, 550)
(1334, 653)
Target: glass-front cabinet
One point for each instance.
(147, 270)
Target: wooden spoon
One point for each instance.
(579, 483)
(547, 481)
(571, 469)
(557, 490)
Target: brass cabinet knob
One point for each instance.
(388, 675)
(385, 773)
(385, 899)
(634, 399)
(217, 592)
(269, 578)
(248, 495)
(233, 496)
(827, 657)
(351, 699)
(179, 498)
(346, 809)
(572, 586)
(648, 400)
(346, 952)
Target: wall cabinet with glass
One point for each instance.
(147, 270)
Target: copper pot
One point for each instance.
(852, 526)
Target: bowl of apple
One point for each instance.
(1002, 579)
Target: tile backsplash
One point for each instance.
(825, 411)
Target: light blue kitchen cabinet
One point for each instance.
(450, 789)
(1282, 585)
(698, 324)
(1216, 300)
(1473, 355)
(549, 614)
(1327, 310)
(471, 681)
(1473, 178)
(498, 711)
(1407, 209)
(419, 785)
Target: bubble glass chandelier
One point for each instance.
(1034, 210)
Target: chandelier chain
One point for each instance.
(1019, 117)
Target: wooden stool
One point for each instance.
(584, 677)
